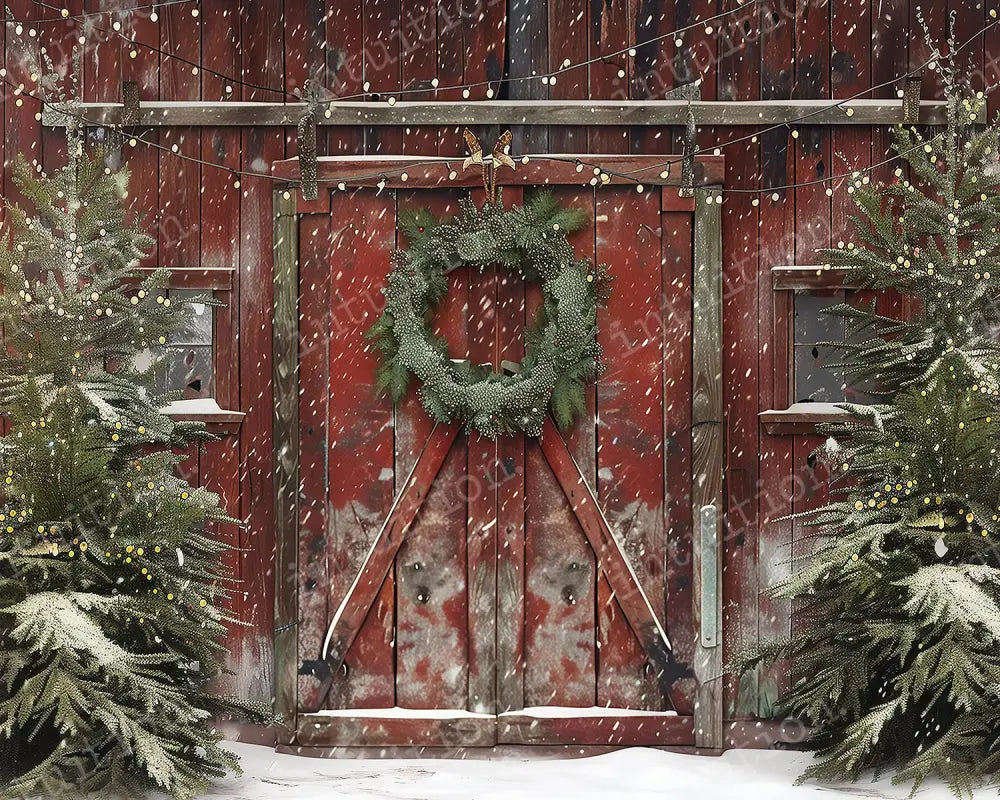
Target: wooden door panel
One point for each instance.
(432, 630)
(534, 573)
(676, 309)
(431, 601)
(559, 624)
(630, 432)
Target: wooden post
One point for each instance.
(286, 457)
(706, 466)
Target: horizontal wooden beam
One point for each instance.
(389, 729)
(801, 418)
(633, 730)
(218, 420)
(213, 278)
(415, 172)
(810, 277)
(508, 112)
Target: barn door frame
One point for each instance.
(706, 401)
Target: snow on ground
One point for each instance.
(632, 774)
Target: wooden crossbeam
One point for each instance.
(507, 112)
(359, 598)
(611, 559)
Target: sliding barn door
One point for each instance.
(474, 592)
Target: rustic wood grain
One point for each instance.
(630, 405)
(612, 561)
(777, 246)
(314, 285)
(391, 731)
(676, 307)
(511, 502)
(286, 434)
(638, 730)
(706, 452)
(600, 114)
(360, 488)
(364, 587)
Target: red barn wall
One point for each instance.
(264, 50)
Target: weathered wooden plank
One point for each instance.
(738, 79)
(612, 561)
(800, 418)
(359, 443)
(344, 72)
(22, 134)
(418, 69)
(481, 501)
(114, 63)
(304, 23)
(363, 589)
(559, 593)
(220, 241)
(935, 17)
(431, 610)
(706, 460)
(382, 58)
(451, 63)
(314, 280)
(619, 730)
(262, 36)
(180, 180)
(740, 381)
(608, 72)
(432, 601)
(630, 404)
(456, 114)
(776, 242)
(568, 26)
(676, 310)
(220, 61)
(256, 312)
(57, 41)
(551, 170)
(388, 729)
(511, 501)
(811, 491)
(529, 60)
(652, 73)
(102, 57)
(814, 276)
(970, 18)
(560, 565)
(219, 465)
(285, 438)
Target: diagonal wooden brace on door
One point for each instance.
(371, 574)
(612, 560)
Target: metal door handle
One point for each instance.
(709, 576)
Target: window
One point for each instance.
(200, 360)
(814, 384)
(816, 379)
(187, 362)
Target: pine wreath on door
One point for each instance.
(494, 621)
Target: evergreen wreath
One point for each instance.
(562, 353)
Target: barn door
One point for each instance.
(474, 592)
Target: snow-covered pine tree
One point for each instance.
(898, 654)
(109, 582)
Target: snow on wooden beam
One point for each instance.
(508, 112)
